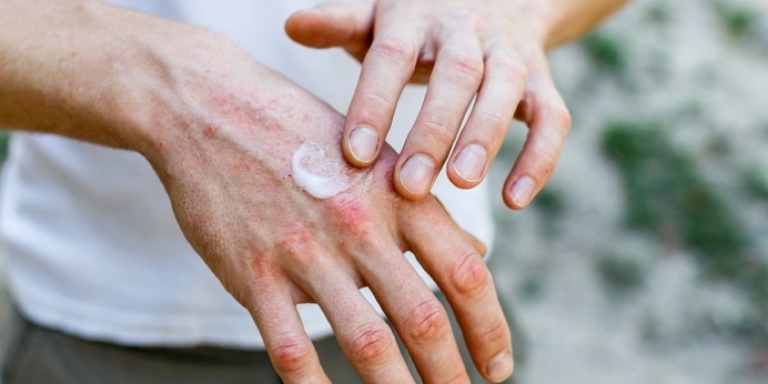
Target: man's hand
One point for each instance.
(273, 245)
(490, 53)
(221, 130)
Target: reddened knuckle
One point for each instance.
(371, 345)
(394, 48)
(469, 274)
(292, 354)
(352, 213)
(294, 240)
(427, 322)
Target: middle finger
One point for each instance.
(419, 318)
(454, 82)
(363, 335)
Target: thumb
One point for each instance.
(346, 25)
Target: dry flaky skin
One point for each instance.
(220, 129)
(488, 55)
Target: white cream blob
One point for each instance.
(320, 174)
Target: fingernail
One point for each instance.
(500, 367)
(470, 163)
(417, 174)
(363, 143)
(522, 191)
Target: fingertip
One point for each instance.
(322, 28)
(332, 24)
(415, 178)
(302, 25)
(362, 146)
(500, 368)
(468, 166)
(519, 193)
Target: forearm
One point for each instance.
(55, 61)
(94, 72)
(567, 20)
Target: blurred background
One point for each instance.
(645, 260)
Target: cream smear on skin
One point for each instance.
(321, 174)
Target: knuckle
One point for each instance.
(294, 240)
(394, 48)
(352, 213)
(465, 65)
(493, 123)
(371, 98)
(561, 116)
(513, 67)
(371, 345)
(427, 322)
(292, 354)
(469, 274)
(546, 161)
(438, 129)
(497, 333)
(509, 67)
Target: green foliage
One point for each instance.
(606, 51)
(4, 141)
(755, 182)
(550, 201)
(668, 196)
(738, 21)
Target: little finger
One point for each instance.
(549, 121)
(290, 349)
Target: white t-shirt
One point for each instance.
(90, 242)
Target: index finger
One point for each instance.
(387, 67)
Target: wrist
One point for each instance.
(566, 20)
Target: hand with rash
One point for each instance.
(221, 130)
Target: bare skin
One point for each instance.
(490, 51)
(220, 129)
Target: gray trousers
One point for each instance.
(39, 355)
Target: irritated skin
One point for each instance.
(220, 130)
